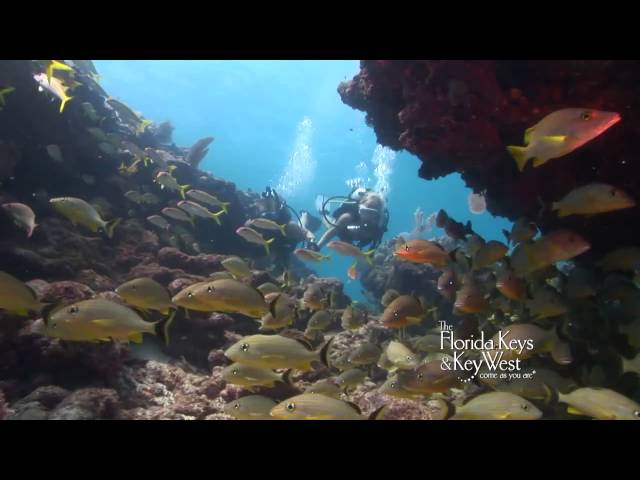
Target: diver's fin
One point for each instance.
(520, 155)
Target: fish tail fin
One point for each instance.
(557, 206)
(368, 255)
(520, 155)
(30, 232)
(171, 168)
(378, 413)
(282, 229)
(507, 235)
(266, 245)
(450, 409)
(225, 206)
(216, 216)
(110, 226)
(183, 188)
(64, 101)
(324, 352)
(162, 327)
(286, 377)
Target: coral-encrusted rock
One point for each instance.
(217, 358)
(160, 274)
(35, 360)
(135, 237)
(48, 395)
(66, 291)
(87, 404)
(4, 407)
(162, 391)
(38, 404)
(404, 277)
(95, 281)
(202, 264)
(39, 286)
(459, 115)
(369, 399)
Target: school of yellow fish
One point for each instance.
(486, 285)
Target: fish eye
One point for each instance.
(291, 406)
(524, 406)
(209, 289)
(235, 372)
(244, 347)
(587, 115)
(612, 192)
(420, 375)
(406, 247)
(393, 384)
(636, 413)
(73, 310)
(54, 325)
(236, 406)
(409, 357)
(190, 295)
(396, 314)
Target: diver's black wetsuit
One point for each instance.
(275, 209)
(350, 227)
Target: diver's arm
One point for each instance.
(342, 222)
(327, 236)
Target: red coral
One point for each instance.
(460, 115)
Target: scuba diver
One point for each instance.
(272, 207)
(361, 219)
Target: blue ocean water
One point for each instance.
(282, 123)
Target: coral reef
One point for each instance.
(458, 116)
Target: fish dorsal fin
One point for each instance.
(355, 407)
(527, 135)
(304, 342)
